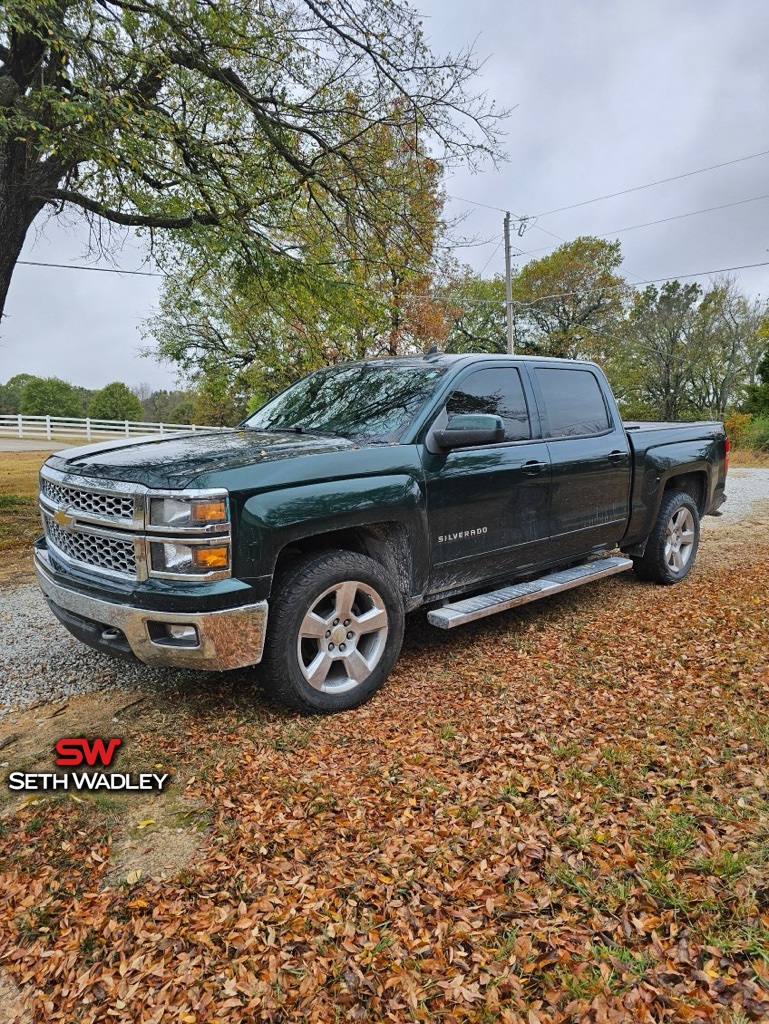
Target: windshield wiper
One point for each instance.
(299, 429)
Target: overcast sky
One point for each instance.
(610, 95)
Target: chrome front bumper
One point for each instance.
(231, 638)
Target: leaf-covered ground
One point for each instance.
(561, 814)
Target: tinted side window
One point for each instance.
(573, 401)
(497, 392)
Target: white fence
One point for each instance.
(54, 428)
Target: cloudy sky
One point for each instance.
(610, 95)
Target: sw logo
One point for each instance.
(75, 752)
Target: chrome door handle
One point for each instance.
(534, 468)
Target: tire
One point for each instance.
(672, 545)
(312, 663)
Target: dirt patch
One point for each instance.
(155, 837)
(12, 1008)
(151, 846)
(17, 567)
(565, 807)
(28, 738)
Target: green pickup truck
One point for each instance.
(300, 539)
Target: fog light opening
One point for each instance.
(174, 634)
(183, 634)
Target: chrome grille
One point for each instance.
(103, 525)
(113, 554)
(93, 503)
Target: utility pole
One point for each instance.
(508, 288)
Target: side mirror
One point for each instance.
(464, 430)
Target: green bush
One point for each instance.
(116, 401)
(756, 435)
(49, 396)
(10, 392)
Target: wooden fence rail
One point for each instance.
(63, 427)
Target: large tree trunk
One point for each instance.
(15, 218)
(23, 172)
(25, 181)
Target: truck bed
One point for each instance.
(659, 448)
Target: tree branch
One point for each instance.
(132, 220)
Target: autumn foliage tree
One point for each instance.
(231, 121)
(569, 303)
(476, 310)
(363, 290)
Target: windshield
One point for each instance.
(361, 401)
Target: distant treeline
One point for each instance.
(51, 396)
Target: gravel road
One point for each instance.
(41, 662)
(743, 487)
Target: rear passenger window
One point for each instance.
(498, 392)
(573, 402)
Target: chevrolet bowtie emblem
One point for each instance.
(63, 518)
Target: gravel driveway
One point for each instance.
(41, 662)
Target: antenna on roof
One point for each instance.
(433, 350)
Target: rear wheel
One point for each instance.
(335, 630)
(672, 546)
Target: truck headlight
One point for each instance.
(189, 513)
(188, 559)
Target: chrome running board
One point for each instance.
(469, 609)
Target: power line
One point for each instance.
(494, 253)
(546, 231)
(100, 270)
(678, 277)
(652, 184)
(473, 202)
(558, 295)
(682, 216)
(638, 277)
(426, 295)
(661, 220)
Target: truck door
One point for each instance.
(487, 506)
(590, 461)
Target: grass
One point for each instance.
(19, 470)
(748, 458)
(19, 516)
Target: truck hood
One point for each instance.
(175, 461)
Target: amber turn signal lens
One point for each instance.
(210, 558)
(214, 511)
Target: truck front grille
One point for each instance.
(119, 507)
(113, 554)
(105, 526)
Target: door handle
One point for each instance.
(534, 468)
(616, 456)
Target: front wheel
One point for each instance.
(672, 546)
(335, 630)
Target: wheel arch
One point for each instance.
(387, 542)
(692, 479)
(692, 482)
